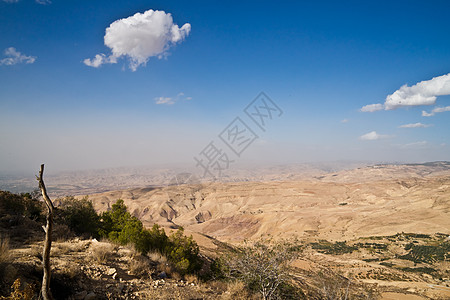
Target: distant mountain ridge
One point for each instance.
(103, 180)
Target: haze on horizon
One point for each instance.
(91, 85)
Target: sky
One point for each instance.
(98, 84)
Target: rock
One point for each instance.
(90, 296)
(162, 275)
(111, 271)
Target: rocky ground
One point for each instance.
(89, 269)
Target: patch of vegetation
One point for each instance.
(425, 270)
(20, 292)
(427, 253)
(375, 259)
(120, 226)
(336, 248)
(79, 215)
(25, 204)
(264, 268)
(414, 235)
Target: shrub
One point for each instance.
(26, 204)
(120, 226)
(263, 267)
(17, 293)
(79, 215)
(101, 251)
(183, 251)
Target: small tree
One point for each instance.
(263, 266)
(79, 215)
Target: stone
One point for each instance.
(111, 271)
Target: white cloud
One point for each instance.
(344, 121)
(97, 61)
(372, 107)
(171, 100)
(422, 93)
(435, 111)
(164, 100)
(140, 37)
(372, 136)
(14, 57)
(415, 125)
(11, 1)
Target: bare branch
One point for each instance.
(45, 290)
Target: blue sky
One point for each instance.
(322, 62)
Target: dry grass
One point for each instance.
(152, 294)
(101, 251)
(157, 257)
(192, 278)
(36, 251)
(4, 250)
(236, 291)
(141, 266)
(62, 232)
(67, 247)
(176, 276)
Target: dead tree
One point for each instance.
(45, 290)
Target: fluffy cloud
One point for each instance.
(415, 125)
(372, 107)
(14, 57)
(435, 111)
(139, 37)
(344, 121)
(171, 100)
(372, 136)
(422, 93)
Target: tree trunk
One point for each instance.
(45, 290)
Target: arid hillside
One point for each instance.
(376, 200)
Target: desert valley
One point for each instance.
(368, 224)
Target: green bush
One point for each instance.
(120, 226)
(79, 215)
(183, 251)
(25, 204)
